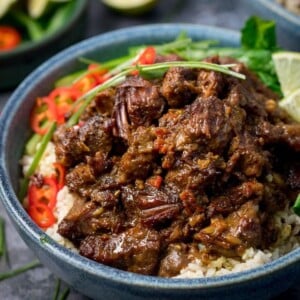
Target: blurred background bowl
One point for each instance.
(88, 277)
(17, 63)
(287, 23)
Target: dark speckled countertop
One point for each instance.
(40, 283)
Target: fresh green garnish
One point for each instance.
(32, 143)
(57, 289)
(259, 34)
(38, 155)
(15, 272)
(36, 159)
(44, 239)
(296, 206)
(63, 295)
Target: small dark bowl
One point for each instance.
(287, 23)
(88, 277)
(15, 65)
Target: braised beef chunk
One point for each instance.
(102, 104)
(138, 161)
(191, 165)
(74, 143)
(88, 218)
(136, 250)
(138, 102)
(178, 86)
(175, 260)
(231, 235)
(150, 206)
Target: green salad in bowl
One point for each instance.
(33, 30)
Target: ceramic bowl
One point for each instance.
(287, 23)
(15, 65)
(88, 277)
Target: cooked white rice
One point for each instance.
(287, 221)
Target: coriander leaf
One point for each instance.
(258, 34)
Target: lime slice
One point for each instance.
(287, 65)
(5, 6)
(291, 104)
(132, 7)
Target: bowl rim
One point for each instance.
(80, 6)
(278, 10)
(23, 223)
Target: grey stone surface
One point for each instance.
(40, 283)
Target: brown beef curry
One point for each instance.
(194, 164)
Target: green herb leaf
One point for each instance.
(296, 206)
(258, 34)
(34, 28)
(60, 17)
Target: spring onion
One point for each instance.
(15, 272)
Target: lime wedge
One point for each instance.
(291, 104)
(287, 65)
(132, 7)
(5, 6)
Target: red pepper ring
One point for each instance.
(42, 112)
(99, 74)
(46, 194)
(85, 83)
(42, 215)
(61, 100)
(148, 56)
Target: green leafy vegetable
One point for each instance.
(258, 34)
(15, 272)
(34, 28)
(59, 17)
(296, 206)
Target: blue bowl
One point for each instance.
(88, 277)
(287, 23)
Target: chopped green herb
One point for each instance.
(64, 295)
(15, 272)
(38, 155)
(57, 289)
(258, 34)
(36, 159)
(296, 206)
(44, 239)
